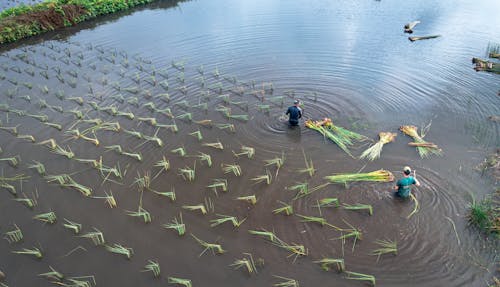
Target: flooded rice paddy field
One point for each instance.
(128, 111)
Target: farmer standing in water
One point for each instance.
(295, 113)
(403, 185)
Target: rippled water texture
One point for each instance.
(348, 60)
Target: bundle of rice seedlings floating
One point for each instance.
(301, 188)
(252, 199)
(154, 138)
(226, 218)
(201, 106)
(28, 202)
(54, 125)
(17, 177)
(286, 282)
(177, 225)
(164, 164)
(229, 127)
(377, 176)
(128, 115)
(226, 111)
(231, 168)
(185, 116)
(150, 106)
(14, 235)
(134, 133)
(53, 275)
(246, 262)
(109, 199)
(216, 145)
(141, 212)
(71, 183)
(75, 134)
(351, 233)
(286, 209)
(309, 166)
(319, 220)
(245, 150)
(243, 118)
(73, 226)
(42, 118)
(277, 161)
(9, 187)
(386, 247)
(424, 148)
(180, 151)
(116, 148)
(187, 173)
(218, 183)
(96, 236)
(201, 207)
(120, 249)
(27, 137)
(264, 233)
(326, 263)
(27, 98)
(267, 178)
(20, 113)
(205, 158)
(359, 206)
(12, 130)
(215, 248)
(328, 202)
(13, 161)
(78, 100)
(57, 149)
(373, 152)
(154, 267)
(151, 121)
(180, 281)
(205, 123)
(34, 252)
(360, 276)
(197, 134)
(173, 127)
(137, 156)
(49, 217)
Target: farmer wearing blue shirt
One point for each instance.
(403, 185)
(295, 113)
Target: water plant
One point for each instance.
(378, 176)
(218, 183)
(309, 169)
(141, 212)
(229, 127)
(216, 145)
(286, 282)
(28, 202)
(164, 164)
(264, 233)
(73, 226)
(180, 281)
(96, 236)
(231, 168)
(246, 150)
(201, 207)
(15, 235)
(360, 276)
(49, 217)
(373, 152)
(154, 267)
(53, 275)
(188, 173)
(267, 178)
(213, 247)
(177, 225)
(424, 148)
(226, 218)
(277, 161)
(120, 249)
(197, 134)
(359, 206)
(13, 161)
(137, 156)
(205, 158)
(246, 262)
(326, 263)
(301, 188)
(34, 252)
(385, 247)
(286, 209)
(180, 151)
(252, 199)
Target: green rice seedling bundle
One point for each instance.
(301, 188)
(377, 176)
(216, 145)
(328, 202)
(182, 104)
(141, 212)
(134, 133)
(151, 121)
(424, 148)
(277, 161)
(267, 178)
(309, 169)
(252, 199)
(73, 226)
(264, 233)
(164, 164)
(71, 183)
(201, 106)
(243, 118)
(245, 150)
(360, 277)
(373, 152)
(49, 217)
(351, 233)
(205, 158)
(185, 116)
(205, 123)
(180, 281)
(385, 247)
(120, 249)
(169, 194)
(96, 236)
(28, 202)
(155, 139)
(17, 177)
(78, 100)
(177, 225)
(219, 184)
(231, 168)
(286, 282)
(201, 207)
(9, 187)
(150, 106)
(197, 135)
(359, 206)
(173, 127)
(264, 108)
(319, 220)
(226, 218)
(137, 156)
(246, 262)
(164, 96)
(153, 267)
(109, 199)
(326, 263)
(15, 235)
(416, 208)
(229, 127)
(13, 161)
(180, 151)
(77, 113)
(53, 275)
(34, 252)
(215, 248)
(27, 137)
(128, 115)
(12, 130)
(187, 173)
(226, 111)
(19, 113)
(286, 209)
(75, 133)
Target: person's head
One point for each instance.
(296, 102)
(407, 170)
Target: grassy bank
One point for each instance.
(485, 214)
(25, 21)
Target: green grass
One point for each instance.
(485, 214)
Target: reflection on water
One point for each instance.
(186, 77)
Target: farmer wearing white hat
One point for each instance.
(403, 185)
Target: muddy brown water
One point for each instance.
(348, 61)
